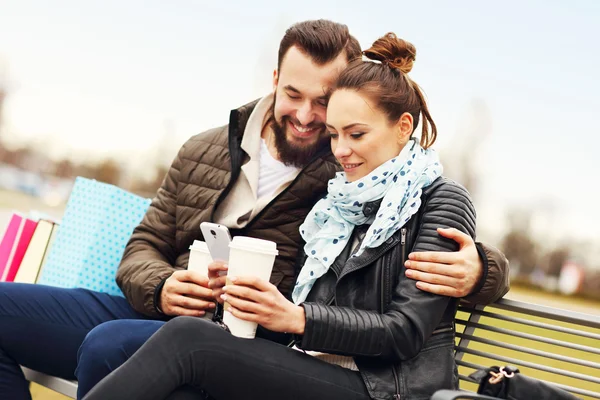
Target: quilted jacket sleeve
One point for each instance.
(150, 253)
(495, 281)
(412, 316)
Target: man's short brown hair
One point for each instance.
(322, 40)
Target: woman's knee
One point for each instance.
(184, 326)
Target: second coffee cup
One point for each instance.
(248, 257)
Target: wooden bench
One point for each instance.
(558, 346)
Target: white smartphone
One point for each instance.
(217, 239)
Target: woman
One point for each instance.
(369, 331)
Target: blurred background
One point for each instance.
(111, 89)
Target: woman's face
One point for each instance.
(362, 137)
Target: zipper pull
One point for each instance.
(403, 236)
(397, 397)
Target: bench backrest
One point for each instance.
(553, 345)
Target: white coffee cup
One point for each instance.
(199, 260)
(248, 257)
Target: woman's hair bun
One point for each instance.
(393, 51)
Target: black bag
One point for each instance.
(507, 383)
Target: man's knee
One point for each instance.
(110, 344)
(101, 347)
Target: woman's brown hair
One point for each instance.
(387, 84)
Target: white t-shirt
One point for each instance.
(272, 174)
(244, 202)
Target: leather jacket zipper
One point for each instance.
(403, 243)
(396, 382)
(442, 330)
(385, 278)
(403, 248)
(330, 300)
(383, 305)
(366, 261)
(336, 270)
(383, 287)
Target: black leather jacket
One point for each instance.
(401, 338)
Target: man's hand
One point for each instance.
(186, 293)
(256, 300)
(448, 274)
(215, 280)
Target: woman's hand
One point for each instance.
(256, 300)
(215, 280)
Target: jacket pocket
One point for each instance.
(431, 370)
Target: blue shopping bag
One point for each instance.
(98, 221)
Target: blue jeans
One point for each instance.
(42, 328)
(108, 346)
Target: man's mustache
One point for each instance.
(294, 121)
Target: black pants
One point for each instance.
(191, 351)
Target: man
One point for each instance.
(259, 175)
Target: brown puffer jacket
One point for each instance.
(199, 178)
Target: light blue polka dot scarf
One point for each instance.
(329, 225)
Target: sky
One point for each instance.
(512, 83)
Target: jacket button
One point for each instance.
(368, 210)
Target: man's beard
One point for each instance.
(293, 155)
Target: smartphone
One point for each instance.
(217, 239)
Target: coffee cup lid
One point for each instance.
(199, 245)
(254, 244)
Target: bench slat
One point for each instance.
(529, 336)
(531, 323)
(591, 321)
(62, 386)
(470, 365)
(474, 318)
(465, 378)
(529, 350)
(571, 389)
(540, 367)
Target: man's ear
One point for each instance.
(404, 127)
(275, 80)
